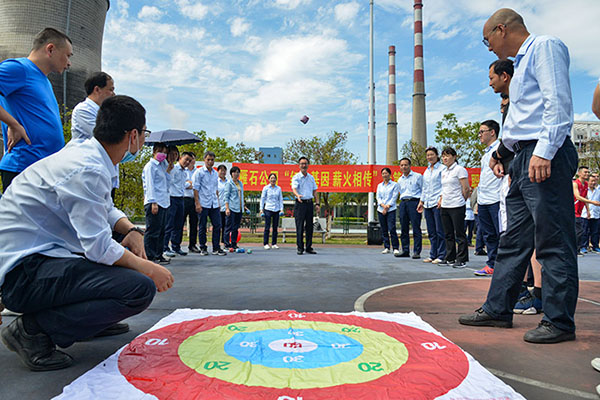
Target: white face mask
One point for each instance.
(128, 156)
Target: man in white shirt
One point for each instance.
(64, 272)
(304, 188)
(540, 200)
(188, 201)
(99, 87)
(410, 188)
(175, 218)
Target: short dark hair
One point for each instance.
(209, 153)
(449, 150)
(171, 148)
(272, 174)
(503, 65)
(490, 123)
(403, 159)
(234, 169)
(50, 35)
(222, 166)
(159, 146)
(188, 153)
(583, 167)
(503, 96)
(386, 169)
(99, 79)
(117, 115)
(303, 158)
(434, 149)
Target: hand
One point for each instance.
(162, 277)
(497, 167)
(420, 207)
(439, 204)
(14, 135)
(154, 209)
(539, 169)
(384, 211)
(595, 203)
(228, 212)
(299, 199)
(318, 208)
(134, 241)
(198, 208)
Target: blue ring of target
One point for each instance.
(332, 348)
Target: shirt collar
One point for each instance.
(523, 49)
(206, 169)
(92, 103)
(450, 168)
(105, 157)
(491, 145)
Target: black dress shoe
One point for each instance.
(300, 252)
(115, 329)
(416, 256)
(481, 253)
(481, 318)
(37, 352)
(403, 255)
(311, 251)
(548, 333)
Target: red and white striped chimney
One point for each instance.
(419, 132)
(392, 125)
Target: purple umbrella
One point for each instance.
(172, 137)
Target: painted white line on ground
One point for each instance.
(589, 301)
(543, 385)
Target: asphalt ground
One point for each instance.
(333, 280)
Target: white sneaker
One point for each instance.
(396, 252)
(274, 246)
(267, 247)
(385, 251)
(596, 364)
(437, 261)
(428, 260)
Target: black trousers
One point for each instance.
(189, 211)
(303, 214)
(75, 298)
(453, 220)
(154, 238)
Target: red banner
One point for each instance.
(329, 178)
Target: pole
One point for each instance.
(371, 158)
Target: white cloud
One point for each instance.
(584, 116)
(346, 12)
(150, 13)
(177, 118)
(256, 133)
(239, 26)
(123, 8)
(290, 4)
(193, 10)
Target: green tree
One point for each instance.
(415, 152)
(463, 138)
(327, 150)
(223, 151)
(129, 197)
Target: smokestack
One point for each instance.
(419, 125)
(392, 125)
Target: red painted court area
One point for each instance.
(552, 368)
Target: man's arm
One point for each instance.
(579, 197)
(15, 131)
(596, 101)
(83, 121)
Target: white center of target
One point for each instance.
(293, 346)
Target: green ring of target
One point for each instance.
(204, 353)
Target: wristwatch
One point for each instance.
(136, 229)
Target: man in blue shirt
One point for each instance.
(540, 200)
(31, 126)
(64, 272)
(304, 188)
(410, 187)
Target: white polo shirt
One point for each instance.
(451, 188)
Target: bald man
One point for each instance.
(540, 200)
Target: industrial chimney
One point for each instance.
(419, 124)
(392, 125)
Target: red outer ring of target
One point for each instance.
(158, 370)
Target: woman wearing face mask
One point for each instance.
(271, 205)
(156, 180)
(455, 192)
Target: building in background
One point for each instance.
(271, 155)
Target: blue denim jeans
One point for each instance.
(388, 229)
(489, 223)
(540, 216)
(232, 225)
(271, 216)
(435, 231)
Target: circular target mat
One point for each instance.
(288, 355)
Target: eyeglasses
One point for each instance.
(146, 133)
(485, 40)
(482, 131)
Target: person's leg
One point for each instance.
(404, 226)
(585, 236)
(579, 232)
(275, 217)
(448, 234)
(169, 224)
(189, 211)
(162, 218)
(431, 232)
(7, 178)
(439, 227)
(488, 222)
(215, 220)
(74, 298)
(202, 220)
(178, 220)
(228, 227)
(223, 225)
(152, 234)
(299, 216)
(415, 221)
(235, 226)
(458, 217)
(385, 234)
(267, 227)
(479, 245)
(310, 213)
(469, 231)
(391, 223)
(594, 233)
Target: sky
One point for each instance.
(248, 70)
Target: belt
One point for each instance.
(410, 199)
(521, 144)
